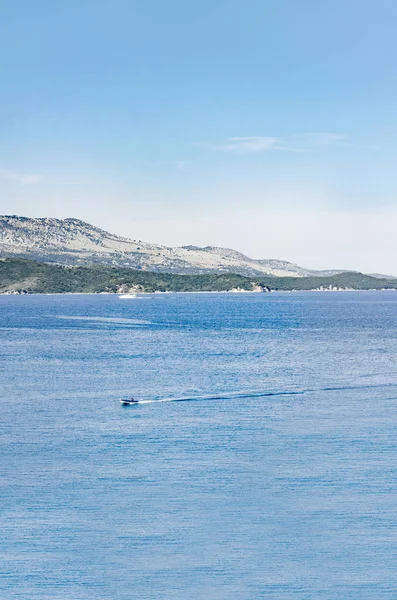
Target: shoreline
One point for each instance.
(233, 293)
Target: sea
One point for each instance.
(262, 462)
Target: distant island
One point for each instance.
(22, 276)
(50, 255)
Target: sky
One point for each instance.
(268, 126)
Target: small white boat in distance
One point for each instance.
(127, 296)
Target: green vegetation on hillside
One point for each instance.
(20, 275)
(347, 280)
(36, 277)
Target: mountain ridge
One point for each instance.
(74, 242)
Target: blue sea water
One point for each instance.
(275, 478)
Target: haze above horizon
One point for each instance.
(263, 126)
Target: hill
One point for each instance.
(75, 243)
(26, 276)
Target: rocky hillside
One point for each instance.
(73, 242)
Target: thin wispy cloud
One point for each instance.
(182, 165)
(249, 144)
(307, 142)
(19, 178)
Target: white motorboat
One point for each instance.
(127, 296)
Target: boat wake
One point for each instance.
(228, 396)
(260, 394)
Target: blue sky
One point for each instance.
(265, 125)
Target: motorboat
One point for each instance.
(128, 401)
(127, 296)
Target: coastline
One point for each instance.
(204, 292)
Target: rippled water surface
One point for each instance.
(274, 478)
